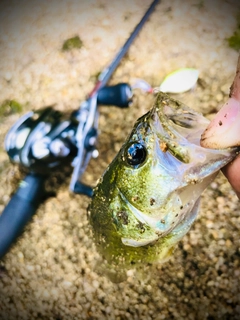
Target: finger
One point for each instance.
(232, 173)
(224, 130)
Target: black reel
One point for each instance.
(42, 140)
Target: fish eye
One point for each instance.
(136, 154)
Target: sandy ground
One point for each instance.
(50, 273)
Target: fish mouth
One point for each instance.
(173, 120)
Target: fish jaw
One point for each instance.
(121, 238)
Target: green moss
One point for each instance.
(95, 76)
(199, 4)
(234, 40)
(9, 107)
(72, 43)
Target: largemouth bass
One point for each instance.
(148, 197)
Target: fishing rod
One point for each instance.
(48, 139)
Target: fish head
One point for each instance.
(148, 197)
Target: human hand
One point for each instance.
(224, 131)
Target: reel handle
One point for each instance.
(20, 209)
(119, 95)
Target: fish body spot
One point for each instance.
(163, 146)
(135, 198)
(123, 217)
(140, 226)
(152, 201)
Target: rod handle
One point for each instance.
(20, 209)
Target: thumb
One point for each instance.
(224, 130)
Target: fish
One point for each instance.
(149, 196)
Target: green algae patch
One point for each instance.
(9, 107)
(72, 43)
(234, 40)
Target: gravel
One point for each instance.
(51, 273)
